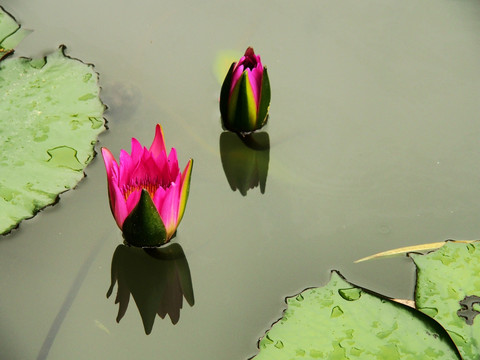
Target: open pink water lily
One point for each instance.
(245, 95)
(147, 191)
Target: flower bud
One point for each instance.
(245, 95)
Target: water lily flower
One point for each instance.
(147, 191)
(245, 95)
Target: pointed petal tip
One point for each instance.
(106, 152)
(158, 144)
(249, 51)
(189, 164)
(108, 158)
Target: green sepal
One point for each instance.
(246, 109)
(143, 227)
(264, 104)
(225, 94)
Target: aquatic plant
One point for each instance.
(245, 95)
(147, 191)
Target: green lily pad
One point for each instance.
(342, 321)
(50, 116)
(11, 33)
(448, 289)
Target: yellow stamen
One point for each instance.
(149, 186)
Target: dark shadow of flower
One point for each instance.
(157, 279)
(245, 160)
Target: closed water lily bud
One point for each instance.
(245, 95)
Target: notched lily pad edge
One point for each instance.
(43, 61)
(5, 52)
(435, 324)
(417, 270)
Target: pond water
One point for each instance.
(374, 144)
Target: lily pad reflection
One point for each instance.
(158, 279)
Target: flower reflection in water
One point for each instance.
(157, 278)
(245, 160)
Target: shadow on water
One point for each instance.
(157, 278)
(245, 160)
(71, 295)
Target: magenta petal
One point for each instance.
(158, 144)
(126, 168)
(111, 165)
(167, 203)
(237, 73)
(172, 161)
(119, 207)
(137, 150)
(169, 210)
(159, 200)
(132, 200)
(109, 160)
(112, 176)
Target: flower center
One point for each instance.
(249, 63)
(135, 185)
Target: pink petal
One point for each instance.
(172, 161)
(237, 73)
(167, 203)
(112, 170)
(137, 150)
(119, 207)
(158, 144)
(160, 198)
(132, 201)
(110, 162)
(126, 168)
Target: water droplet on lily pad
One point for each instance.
(64, 156)
(350, 294)
(430, 311)
(336, 312)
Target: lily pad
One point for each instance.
(50, 116)
(343, 321)
(448, 290)
(11, 33)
